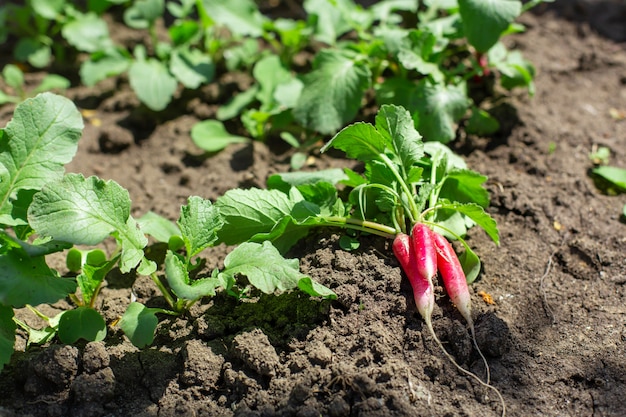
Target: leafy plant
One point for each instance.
(428, 69)
(44, 211)
(13, 77)
(405, 181)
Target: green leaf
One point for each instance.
(158, 227)
(485, 20)
(99, 67)
(465, 186)
(239, 102)
(26, 280)
(199, 222)
(48, 9)
(7, 334)
(81, 323)
(332, 92)
(315, 289)
(359, 141)
(615, 175)
(52, 82)
(85, 211)
(34, 51)
(192, 67)
(143, 13)
(13, 76)
(152, 83)
(265, 268)
(333, 18)
(139, 324)
(91, 277)
(439, 108)
(38, 141)
(87, 33)
(211, 136)
(270, 73)
(397, 127)
(241, 17)
(470, 262)
(252, 211)
(183, 32)
(481, 123)
(477, 214)
(178, 279)
(285, 180)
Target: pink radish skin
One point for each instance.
(423, 290)
(453, 277)
(424, 251)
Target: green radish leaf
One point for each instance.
(332, 92)
(333, 18)
(237, 103)
(87, 33)
(285, 180)
(485, 20)
(470, 262)
(192, 67)
(241, 17)
(465, 186)
(267, 270)
(158, 227)
(397, 127)
(211, 136)
(252, 211)
(143, 13)
(52, 82)
(439, 108)
(91, 277)
(315, 289)
(81, 323)
(39, 246)
(39, 337)
(139, 324)
(477, 214)
(199, 222)
(180, 283)
(34, 51)
(270, 73)
(152, 83)
(29, 280)
(481, 123)
(34, 147)
(7, 334)
(48, 9)
(359, 141)
(184, 32)
(615, 175)
(13, 76)
(86, 211)
(98, 67)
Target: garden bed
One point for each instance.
(554, 335)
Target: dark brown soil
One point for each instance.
(555, 338)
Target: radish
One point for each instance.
(418, 257)
(423, 290)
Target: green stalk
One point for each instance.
(166, 294)
(362, 225)
(413, 211)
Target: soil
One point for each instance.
(554, 337)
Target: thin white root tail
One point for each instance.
(465, 371)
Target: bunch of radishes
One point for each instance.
(421, 255)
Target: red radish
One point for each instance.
(424, 251)
(423, 290)
(453, 277)
(419, 257)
